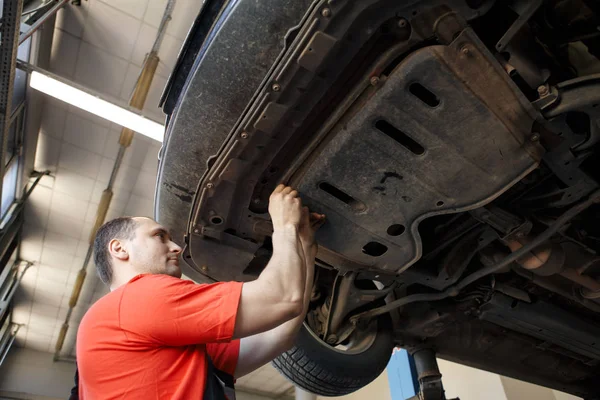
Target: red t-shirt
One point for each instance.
(148, 339)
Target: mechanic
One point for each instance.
(158, 336)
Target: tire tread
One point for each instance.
(296, 366)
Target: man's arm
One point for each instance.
(278, 294)
(257, 350)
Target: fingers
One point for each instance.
(287, 194)
(277, 192)
(316, 217)
(317, 220)
(286, 190)
(283, 190)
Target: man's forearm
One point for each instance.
(286, 333)
(285, 274)
(258, 349)
(261, 348)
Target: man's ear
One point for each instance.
(118, 250)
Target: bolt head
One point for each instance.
(331, 339)
(244, 135)
(326, 12)
(209, 185)
(196, 230)
(542, 90)
(374, 80)
(204, 268)
(276, 87)
(535, 137)
(465, 50)
(402, 22)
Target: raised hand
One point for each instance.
(285, 208)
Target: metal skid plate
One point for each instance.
(464, 148)
(377, 151)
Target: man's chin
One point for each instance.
(174, 271)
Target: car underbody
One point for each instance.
(452, 145)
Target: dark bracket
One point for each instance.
(345, 298)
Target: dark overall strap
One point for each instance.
(75, 390)
(219, 385)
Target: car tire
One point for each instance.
(316, 367)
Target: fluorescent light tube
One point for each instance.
(97, 106)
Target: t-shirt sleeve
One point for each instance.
(169, 311)
(224, 355)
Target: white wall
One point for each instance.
(517, 390)
(33, 372)
(564, 396)
(473, 384)
(249, 396)
(469, 383)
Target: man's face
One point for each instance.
(152, 251)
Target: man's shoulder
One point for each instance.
(104, 304)
(151, 284)
(140, 287)
(156, 278)
(102, 313)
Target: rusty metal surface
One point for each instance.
(216, 92)
(262, 133)
(477, 145)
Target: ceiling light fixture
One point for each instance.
(95, 105)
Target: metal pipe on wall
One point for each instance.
(13, 335)
(37, 24)
(138, 99)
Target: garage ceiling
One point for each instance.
(101, 45)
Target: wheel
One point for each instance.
(322, 369)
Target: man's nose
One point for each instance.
(175, 248)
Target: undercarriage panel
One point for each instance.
(399, 159)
